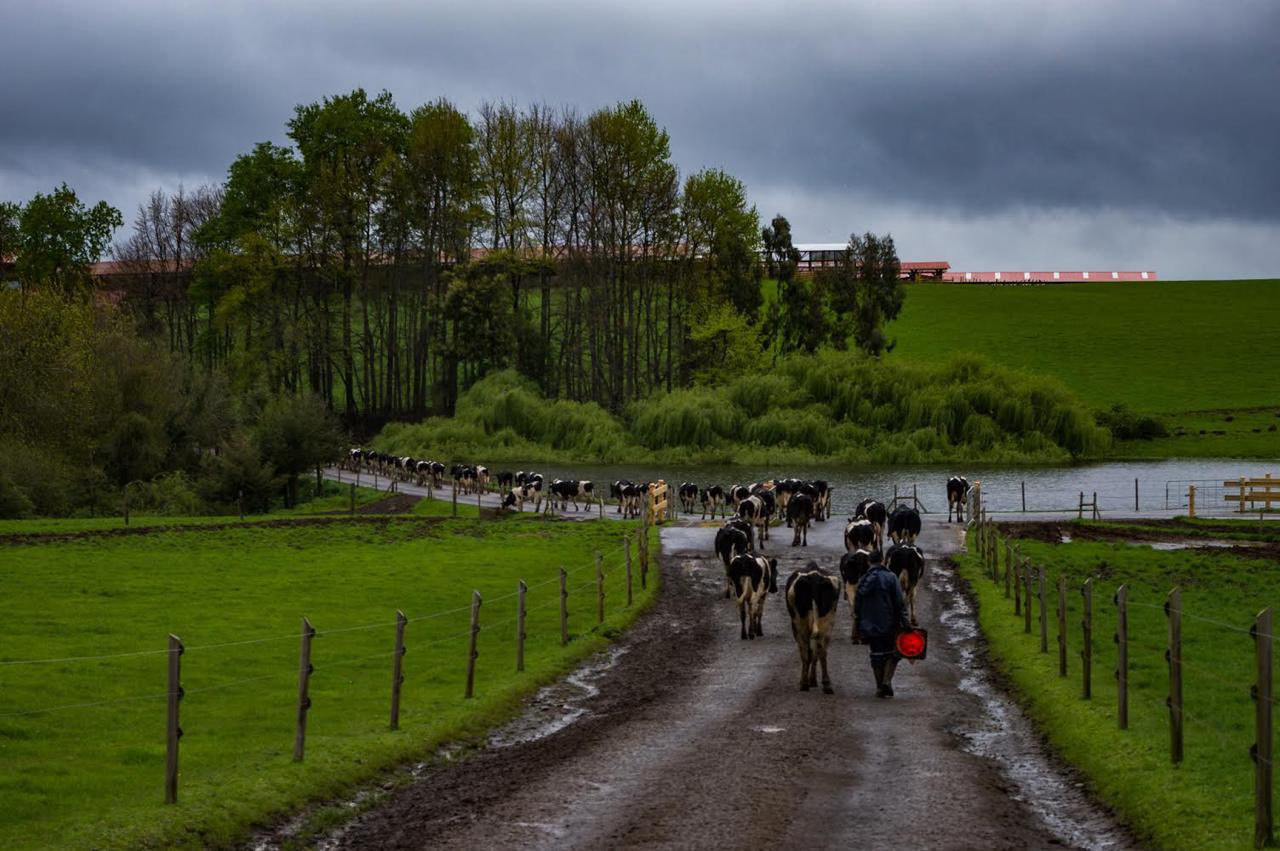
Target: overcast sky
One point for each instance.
(1067, 134)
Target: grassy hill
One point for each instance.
(1204, 355)
(1160, 346)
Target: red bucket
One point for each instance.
(913, 644)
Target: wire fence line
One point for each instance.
(313, 668)
(1211, 637)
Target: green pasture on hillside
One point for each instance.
(1159, 346)
(1207, 801)
(88, 772)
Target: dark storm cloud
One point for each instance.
(1154, 117)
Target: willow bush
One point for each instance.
(832, 406)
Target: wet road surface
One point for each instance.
(690, 737)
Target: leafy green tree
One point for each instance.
(58, 237)
(238, 470)
(866, 287)
(10, 216)
(295, 434)
(134, 449)
(781, 259)
(14, 502)
(720, 225)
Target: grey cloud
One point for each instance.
(1154, 116)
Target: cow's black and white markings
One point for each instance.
(853, 566)
(908, 562)
(712, 500)
(957, 492)
(688, 496)
(859, 534)
(506, 480)
(812, 594)
(904, 525)
(753, 578)
(799, 516)
(733, 539)
(754, 511)
(873, 510)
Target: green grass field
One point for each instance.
(1160, 347)
(1207, 801)
(88, 772)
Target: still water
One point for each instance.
(1161, 485)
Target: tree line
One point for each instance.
(385, 260)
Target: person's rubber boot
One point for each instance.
(878, 670)
(889, 668)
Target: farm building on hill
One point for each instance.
(819, 255)
(1044, 277)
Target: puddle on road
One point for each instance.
(558, 705)
(1193, 544)
(1003, 734)
(768, 729)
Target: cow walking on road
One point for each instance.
(812, 595)
(957, 493)
(754, 578)
(799, 516)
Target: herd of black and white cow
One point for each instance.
(811, 593)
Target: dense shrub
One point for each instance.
(1124, 424)
(832, 405)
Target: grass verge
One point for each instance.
(1206, 802)
(82, 775)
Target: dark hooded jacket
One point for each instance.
(881, 610)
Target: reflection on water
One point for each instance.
(1162, 485)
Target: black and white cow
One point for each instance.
(859, 534)
(737, 494)
(904, 525)
(734, 538)
(782, 491)
(957, 493)
(853, 566)
(516, 497)
(822, 503)
(632, 498)
(799, 516)
(506, 480)
(753, 579)
(688, 496)
(812, 595)
(712, 500)
(873, 510)
(908, 562)
(754, 510)
(565, 491)
(615, 491)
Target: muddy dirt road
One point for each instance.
(698, 739)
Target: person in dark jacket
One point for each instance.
(879, 615)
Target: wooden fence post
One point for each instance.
(1016, 569)
(521, 591)
(126, 504)
(240, 502)
(397, 670)
(353, 498)
(1080, 515)
(1191, 500)
(644, 555)
(1062, 626)
(1122, 656)
(1173, 610)
(479, 499)
(626, 543)
(304, 684)
(175, 730)
(1044, 612)
(1008, 567)
(599, 588)
(1086, 642)
(1262, 747)
(472, 653)
(1024, 497)
(1026, 609)
(1135, 497)
(1097, 515)
(564, 607)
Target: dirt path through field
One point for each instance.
(698, 739)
